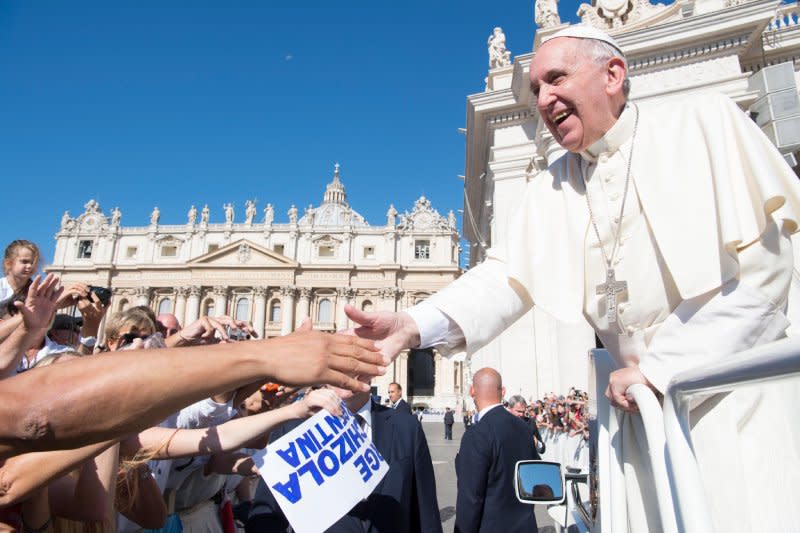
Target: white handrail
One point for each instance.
(653, 421)
(770, 362)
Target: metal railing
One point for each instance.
(679, 487)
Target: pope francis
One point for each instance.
(667, 227)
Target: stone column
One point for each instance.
(388, 297)
(142, 296)
(220, 300)
(260, 313)
(304, 305)
(287, 308)
(192, 305)
(345, 296)
(402, 370)
(438, 377)
(180, 304)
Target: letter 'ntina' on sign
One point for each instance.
(321, 469)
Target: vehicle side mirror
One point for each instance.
(539, 482)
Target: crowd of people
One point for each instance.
(160, 441)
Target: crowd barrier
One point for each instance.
(572, 452)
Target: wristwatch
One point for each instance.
(89, 342)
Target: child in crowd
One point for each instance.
(20, 262)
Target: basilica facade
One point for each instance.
(276, 273)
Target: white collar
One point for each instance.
(366, 412)
(614, 138)
(485, 410)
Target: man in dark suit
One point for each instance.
(404, 501)
(449, 420)
(518, 407)
(396, 400)
(485, 463)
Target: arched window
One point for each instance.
(366, 306)
(165, 307)
(325, 315)
(275, 311)
(242, 309)
(208, 307)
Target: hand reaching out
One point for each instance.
(317, 399)
(206, 329)
(394, 332)
(41, 303)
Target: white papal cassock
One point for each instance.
(706, 254)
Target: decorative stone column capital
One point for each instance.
(305, 293)
(260, 291)
(346, 292)
(288, 290)
(142, 291)
(389, 293)
(182, 291)
(219, 290)
(194, 290)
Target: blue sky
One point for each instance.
(168, 103)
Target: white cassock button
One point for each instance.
(608, 178)
(603, 158)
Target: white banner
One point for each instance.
(321, 469)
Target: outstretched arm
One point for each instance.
(168, 443)
(71, 406)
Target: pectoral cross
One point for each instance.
(611, 288)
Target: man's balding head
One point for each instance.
(487, 388)
(168, 324)
(580, 88)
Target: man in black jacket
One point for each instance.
(517, 406)
(403, 502)
(396, 400)
(449, 420)
(485, 463)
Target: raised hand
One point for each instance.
(92, 310)
(204, 330)
(41, 302)
(72, 294)
(394, 332)
(317, 399)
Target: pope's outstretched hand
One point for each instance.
(392, 331)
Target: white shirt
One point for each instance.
(485, 410)
(366, 413)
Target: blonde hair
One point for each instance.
(131, 318)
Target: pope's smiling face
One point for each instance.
(578, 97)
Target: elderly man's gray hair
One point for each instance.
(514, 400)
(601, 52)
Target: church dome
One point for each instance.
(334, 210)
